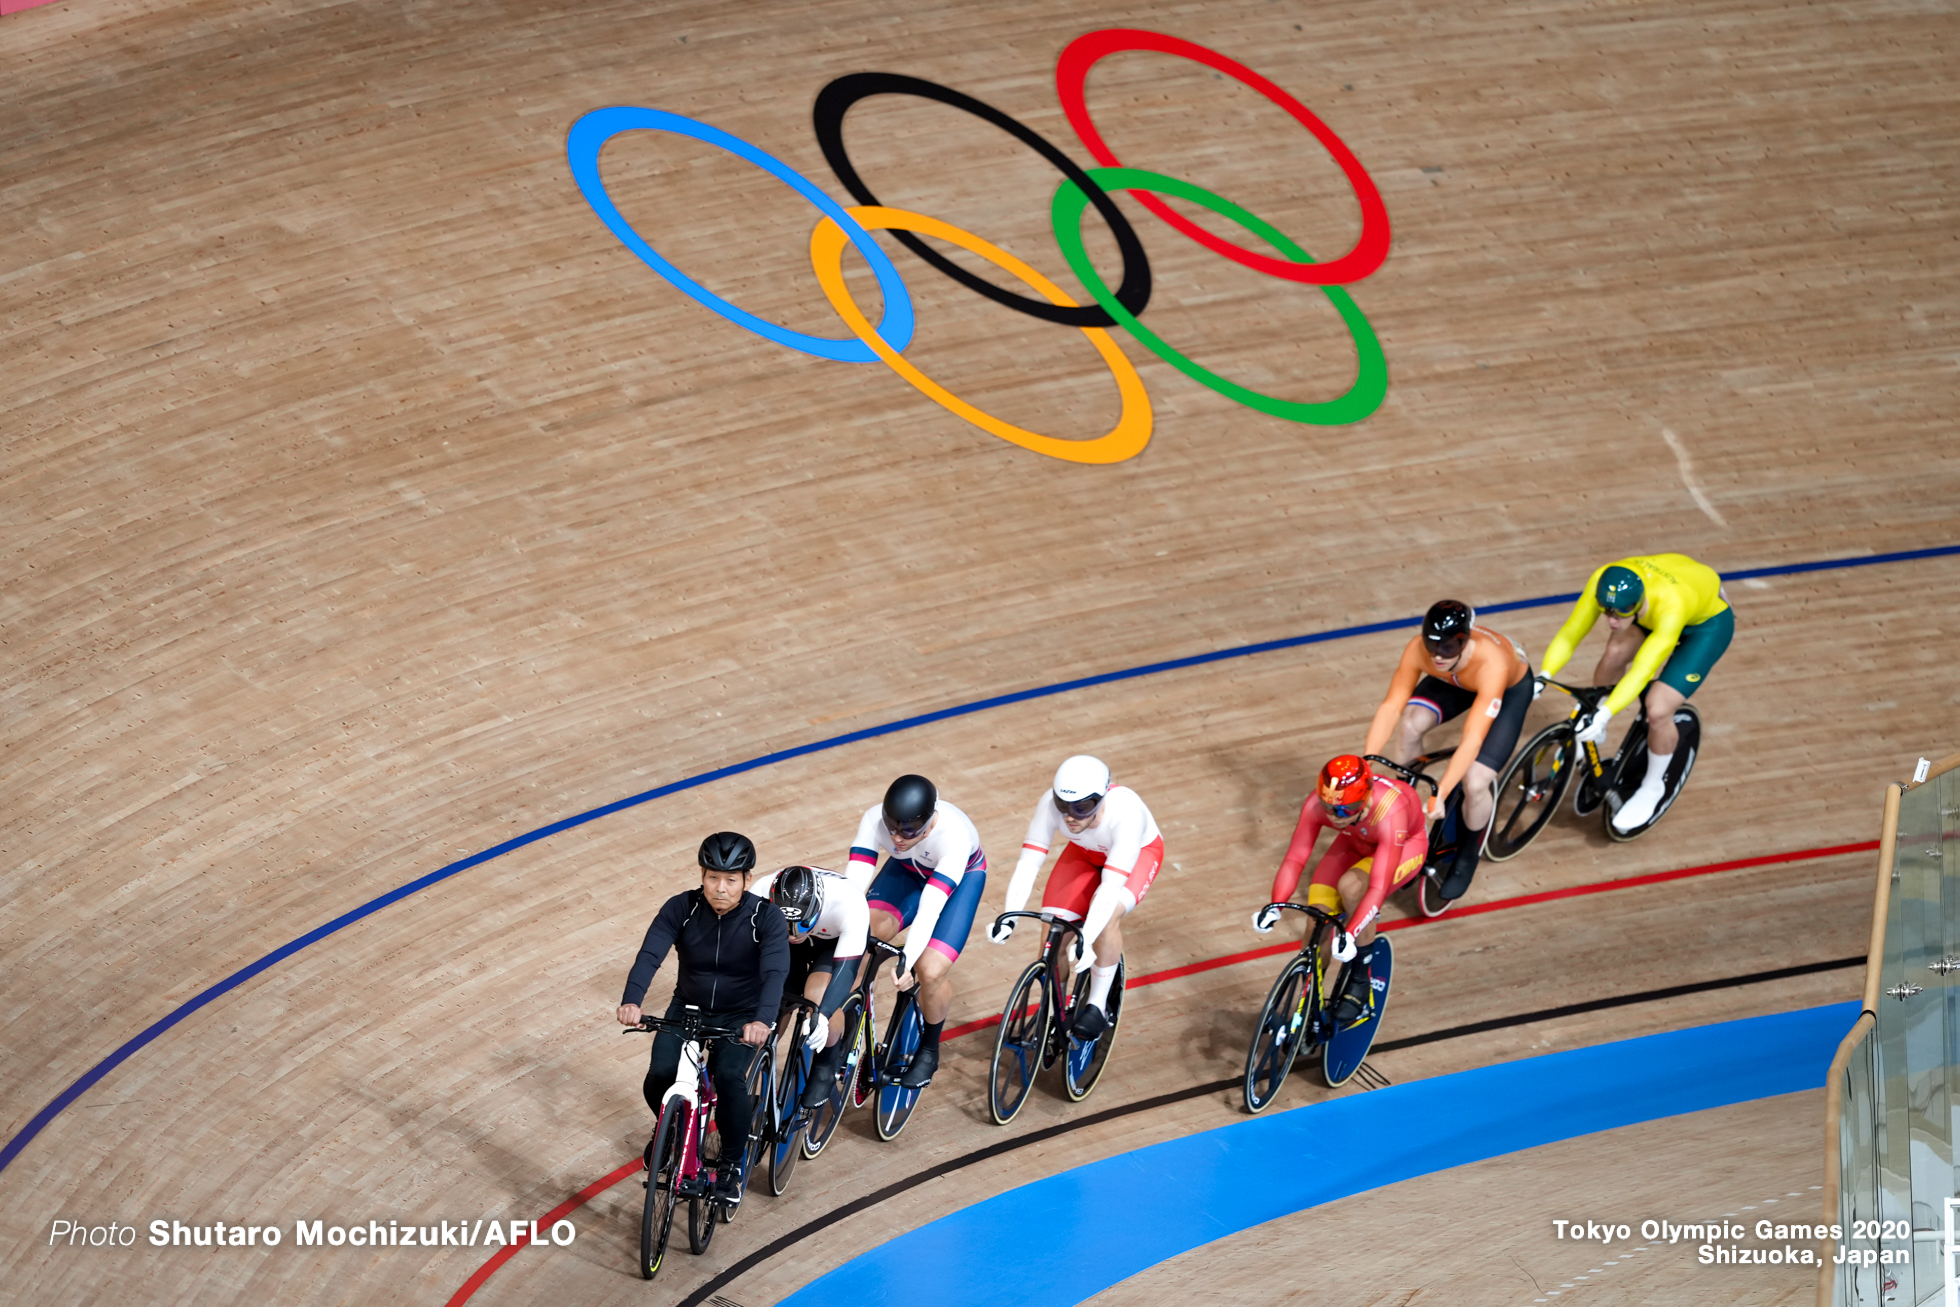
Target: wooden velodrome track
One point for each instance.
(367, 505)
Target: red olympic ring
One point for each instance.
(1072, 71)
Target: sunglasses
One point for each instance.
(909, 832)
(1448, 649)
(1079, 809)
(1343, 811)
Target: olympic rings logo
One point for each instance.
(1079, 189)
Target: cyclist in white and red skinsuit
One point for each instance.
(1113, 853)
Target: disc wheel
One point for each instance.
(1276, 1039)
(1083, 1066)
(823, 1122)
(902, 1036)
(657, 1217)
(1018, 1044)
(1687, 724)
(1529, 791)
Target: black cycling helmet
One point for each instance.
(726, 851)
(1446, 626)
(798, 891)
(909, 805)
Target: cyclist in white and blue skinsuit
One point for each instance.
(828, 922)
(931, 882)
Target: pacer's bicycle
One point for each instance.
(676, 1166)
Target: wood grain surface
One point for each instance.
(365, 504)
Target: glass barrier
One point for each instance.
(1896, 1088)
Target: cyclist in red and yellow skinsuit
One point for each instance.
(1379, 846)
(1669, 622)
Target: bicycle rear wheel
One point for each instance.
(902, 1036)
(1084, 1064)
(657, 1216)
(823, 1122)
(1633, 769)
(784, 1143)
(1018, 1043)
(1276, 1039)
(1529, 791)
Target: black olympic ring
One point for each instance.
(828, 118)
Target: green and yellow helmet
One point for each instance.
(1620, 590)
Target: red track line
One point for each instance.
(564, 1209)
(597, 1187)
(1471, 910)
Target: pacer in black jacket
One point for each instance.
(734, 953)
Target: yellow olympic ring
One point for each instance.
(1132, 430)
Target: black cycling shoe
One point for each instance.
(728, 1185)
(823, 1078)
(1457, 883)
(1090, 1023)
(1357, 1001)
(919, 1074)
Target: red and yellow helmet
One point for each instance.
(1344, 782)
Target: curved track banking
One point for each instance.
(782, 1243)
(134, 1045)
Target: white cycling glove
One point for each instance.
(1537, 687)
(1000, 932)
(818, 1037)
(1266, 918)
(1343, 946)
(1593, 729)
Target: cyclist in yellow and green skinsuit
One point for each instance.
(1670, 622)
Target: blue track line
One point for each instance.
(1128, 1213)
(89, 1078)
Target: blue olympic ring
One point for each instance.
(589, 135)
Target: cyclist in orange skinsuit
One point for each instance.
(1457, 667)
(1379, 846)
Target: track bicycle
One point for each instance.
(790, 1059)
(1036, 1030)
(871, 1068)
(1529, 791)
(1442, 842)
(1298, 1021)
(676, 1166)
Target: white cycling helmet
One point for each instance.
(1080, 784)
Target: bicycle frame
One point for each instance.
(695, 1088)
(1059, 929)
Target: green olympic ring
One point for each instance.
(1371, 376)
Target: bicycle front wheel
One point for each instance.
(785, 1142)
(1276, 1039)
(823, 1122)
(657, 1217)
(1083, 1067)
(1018, 1043)
(902, 1036)
(1529, 791)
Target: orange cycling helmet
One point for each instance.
(1344, 782)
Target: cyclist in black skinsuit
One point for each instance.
(734, 954)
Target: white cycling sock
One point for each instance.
(1656, 777)
(1099, 982)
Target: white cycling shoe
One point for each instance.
(1638, 810)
